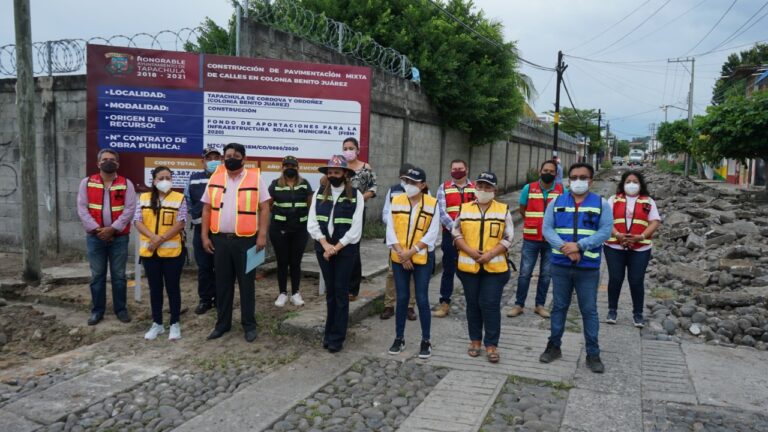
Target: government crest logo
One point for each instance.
(119, 64)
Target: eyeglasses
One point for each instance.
(582, 178)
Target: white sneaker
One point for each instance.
(297, 300)
(281, 299)
(154, 331)
(175, 332)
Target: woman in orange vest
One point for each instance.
(635, 219)
(160, 218)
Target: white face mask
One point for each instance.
(403, 184)
(579, 187)
(631, 189)
(164, 186)
(411, 190)
(484, 197)
(350, 155)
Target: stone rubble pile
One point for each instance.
(709, 272)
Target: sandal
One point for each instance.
(474, 349)
(492, 354)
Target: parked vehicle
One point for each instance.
(618, 161)
(636, 157)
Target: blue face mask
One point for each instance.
(211, 166)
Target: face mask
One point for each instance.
(412, 190)
(403, 184)
(290, 172)
(631, 188)
(233, 164)
(547, 178)
(350, 155)
(459, 174)
(211, 166)
(164, 186)
(579, 187)
(336, 181)
(109, 167)
(484, 197)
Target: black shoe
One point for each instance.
(550, 354)
(334, 349)
(203, 307)
(215, 334)
(95, 318)
(325, 345)
(595, 364)
(387, 313)
(250, 335)
(411, 315)
(425, 351)
(397, 346)
(123, 316)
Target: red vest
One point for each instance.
(534, 210)
(454, 198)
(117, 192)
(639, 219)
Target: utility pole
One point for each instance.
(692, 60)
(599, 129)
(25, 107)
(560, 68)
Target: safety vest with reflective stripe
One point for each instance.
(117, 191)
(455, 197)
(573, 225)
(639, 219)
(289, 204)
(409, 234)
(343, 210)
(534, 210)
(247, 218)
(159, 222)
(483, 231)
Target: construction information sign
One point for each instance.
(162, 108)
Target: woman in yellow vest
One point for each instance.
(412, 229)
(483, 233)
(160, 218)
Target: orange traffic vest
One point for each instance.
(455, 197)
(639, 219)
(117, 191)
(534, 210)
(247, 219)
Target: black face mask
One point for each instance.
(290, 172)
(547, 178)
(109, 167)
(233, 164)
(336, 181)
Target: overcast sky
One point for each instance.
(631, 93)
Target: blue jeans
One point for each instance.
(421, 274)
(530, 252)
(101, 253)
(635, 263)
(482, 292)
(206, 276)
(450, 255)
(584, 281)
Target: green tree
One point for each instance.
(675, 136)
(726, 87)
(214, 39)
(582, 122)
(623, 148)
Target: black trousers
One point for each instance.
(164, 272)
(289, 248)
(357, 270)
(229, 261)
(336, 274)
(206, 278)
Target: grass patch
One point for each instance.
(377, 306)
(606, 165)
(374, 229)
(663, 293)
(671, 167)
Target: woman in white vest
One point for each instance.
(160, 218)
(412, 230)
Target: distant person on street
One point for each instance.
(534, 199)
(450, 196)
(160, 218)
(235, 219)
(105, 203)
(389, 291)
(559, 174)
(412, 229)
(363, 178)
(576, 224)
(194, 191)
(483, 234)
(336, 224)
(635, 219)
(291, 196)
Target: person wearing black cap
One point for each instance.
(483, 233)
(193, 192)
(412, 229)
(336, 224)
(291, 195)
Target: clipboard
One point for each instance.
(254, 259)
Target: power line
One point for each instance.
(610, 27)
(714, 26)
(736, 33)
(634, 29)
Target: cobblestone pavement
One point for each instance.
(527, 405)
(672, 417)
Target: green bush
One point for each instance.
(532, 175)
(606, 165)
(374, 229)
(671, 167)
